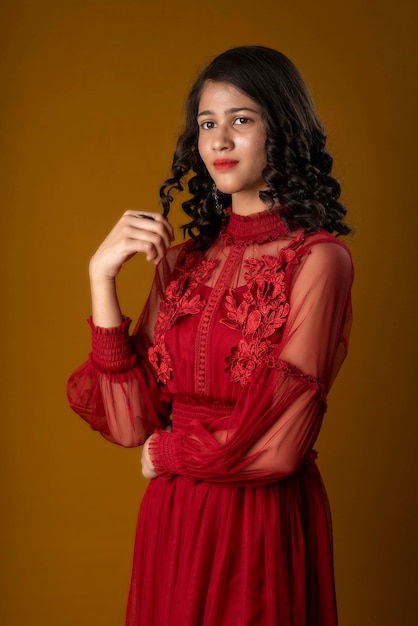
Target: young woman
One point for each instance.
(225, 377)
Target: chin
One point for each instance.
(228, 189)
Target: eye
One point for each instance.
(207, 125)
(242, 120)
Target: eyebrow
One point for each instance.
(229, 111)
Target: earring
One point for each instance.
(215, 195)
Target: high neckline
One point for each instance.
(254, 228)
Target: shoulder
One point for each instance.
(327, 257)
(175, 253)
(326, 248)
(180, 258)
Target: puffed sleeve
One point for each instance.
(116, 390)
(273, 426)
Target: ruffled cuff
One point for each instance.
(112, 350)
(164, 450)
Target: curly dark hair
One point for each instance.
(298, 171)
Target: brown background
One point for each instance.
(91, 103)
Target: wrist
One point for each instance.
(112, 350)
(105, 306)
(98, 277)
(164, 451)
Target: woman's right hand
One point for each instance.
(136, 231)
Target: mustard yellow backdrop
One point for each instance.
(91, 103)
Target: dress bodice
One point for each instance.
(223, 312)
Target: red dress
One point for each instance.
(239, 345)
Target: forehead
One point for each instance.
(218, 95)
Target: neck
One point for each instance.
(247, 203)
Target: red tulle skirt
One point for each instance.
(218, 555)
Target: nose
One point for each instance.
(222, 139)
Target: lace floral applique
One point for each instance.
(262, 311)
(178, 301)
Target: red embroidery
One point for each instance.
(178, 301)
(263, 310)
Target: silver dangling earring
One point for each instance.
(218, 206)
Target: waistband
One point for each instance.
(208, 412)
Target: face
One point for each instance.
(232, 138)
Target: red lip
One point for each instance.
(224, 164)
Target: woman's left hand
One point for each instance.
(148, 470)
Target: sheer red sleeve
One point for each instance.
(271, 430)
(116, 390)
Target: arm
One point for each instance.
(277, 418)
(116, 391)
